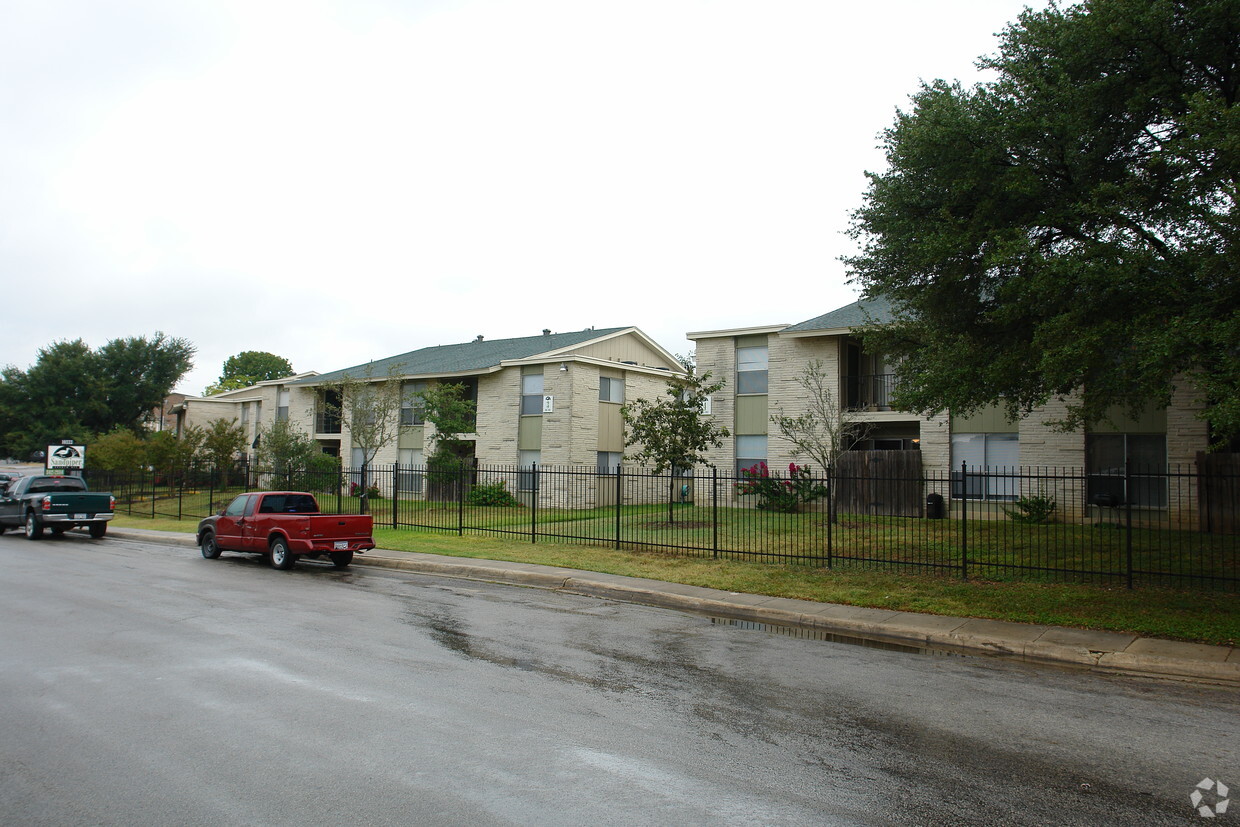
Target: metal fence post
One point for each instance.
(533, 505)
(1128, 521)
(619, 498)
(395, 492)
(460, 499)
(714, 511)
(830, 513)
(964, 520)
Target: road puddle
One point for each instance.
(830, 637)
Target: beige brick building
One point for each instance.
(760, 366)
(546, 401)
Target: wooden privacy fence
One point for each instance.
(1218, 492)
(887, 483)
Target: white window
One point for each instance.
(411, 404)
(409, 466)
(993, 466)
(610, 389)
(532, 394)
(750, 451)
(751, 369)
(608, 461)
(527, 470)
(282, 405)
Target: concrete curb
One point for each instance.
(1106, 652)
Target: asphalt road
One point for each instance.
(141, 684)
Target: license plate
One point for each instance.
(81, 516)
(341, 545)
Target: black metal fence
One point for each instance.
(1132, 528)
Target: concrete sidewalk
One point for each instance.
(1109, 652)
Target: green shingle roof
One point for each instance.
(857, 314)
(466, 357)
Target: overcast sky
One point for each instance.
(343, 180)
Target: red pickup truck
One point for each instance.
(285, 526)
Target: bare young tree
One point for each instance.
(826, 428)
(369, 406)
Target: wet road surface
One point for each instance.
(141, 684)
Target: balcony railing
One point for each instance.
(326, 423)
(867, 393)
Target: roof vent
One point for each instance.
(479, 339)
(546, 331)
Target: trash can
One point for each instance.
(934, 506)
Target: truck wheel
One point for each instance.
(281, 558)
(208, 545)
(342, 559)
(34, 528)
(97, 530)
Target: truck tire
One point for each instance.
(97, 530)
(34, 528)
(342, 559)
(210, 550)
(279, 555)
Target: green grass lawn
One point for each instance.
(1200, 616)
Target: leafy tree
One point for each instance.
(282, 449)
(1072, 225)
(249, 368)
(445, 406)
(120, 450)
(281, 446)
(223, 441)
(672, 433)
(136, 374)
(74, 392)
(169, 452)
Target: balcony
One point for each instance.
(867, 392)
(326, 423)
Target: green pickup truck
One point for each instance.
(54, 503)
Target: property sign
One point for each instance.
(66, 457)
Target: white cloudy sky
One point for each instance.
(340, 180)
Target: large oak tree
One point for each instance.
(72, 391)
(1068, 229)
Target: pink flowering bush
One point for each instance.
(775, 493)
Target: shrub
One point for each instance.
(774, 493)
(493, 493)
(1032, 510)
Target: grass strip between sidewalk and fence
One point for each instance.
(1163, 613)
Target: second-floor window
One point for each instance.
(411, 404)
(531, 394)
(282, 405)
(610, 389)
(751, 367)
